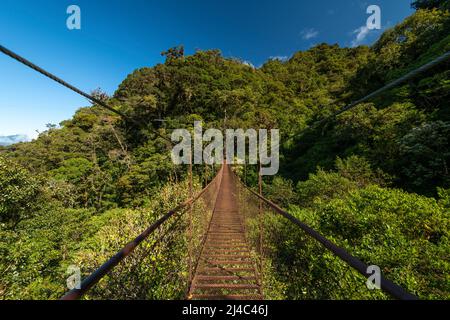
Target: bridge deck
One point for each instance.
(226, 269)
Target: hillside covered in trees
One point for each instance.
(375, 180)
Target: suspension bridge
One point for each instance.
(227, 252)
(227, 234)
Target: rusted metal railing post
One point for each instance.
(245, 172)
(191, 207)
(261, 227)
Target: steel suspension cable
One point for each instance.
(91, 98)
(409, 76)
(386, 285)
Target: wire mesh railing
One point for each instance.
(159, 263)
(296, 262)
(200, 218)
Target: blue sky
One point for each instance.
(118, 36)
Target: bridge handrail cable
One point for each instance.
(106, 267)
(388, 286)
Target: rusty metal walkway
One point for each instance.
(226, 269)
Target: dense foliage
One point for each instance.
(430, 4)
(374, 180)
(405, 233)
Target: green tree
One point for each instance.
(20, 193)
(426, 154)
(431, 4)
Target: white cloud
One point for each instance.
(281, 58)
(361, 35)
(310, 33)
(249, 64)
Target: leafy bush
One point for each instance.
(36, 254)
(427, 149)
(407, 235)
(158, 267)
(19, 193)
(352, 173)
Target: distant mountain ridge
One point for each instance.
(9, 140)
